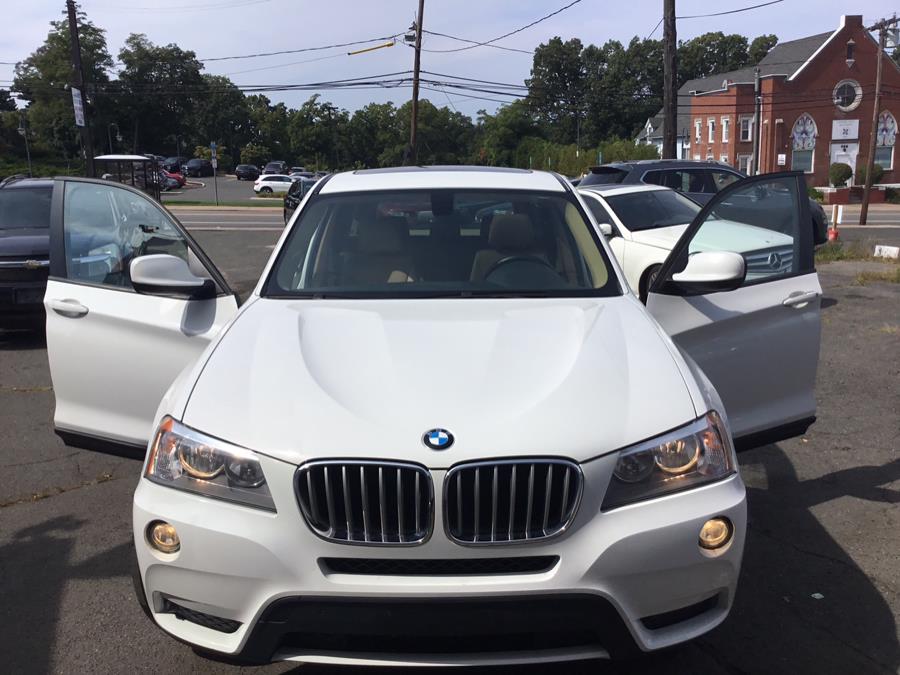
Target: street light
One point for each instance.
(23, 132)
(109, 135)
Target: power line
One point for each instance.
(229, 4)
(703, 16)
(512, 32)
(473, 42)
(304, 49)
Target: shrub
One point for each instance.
(812, 193)
(892, 195)
(877, 174)
(839, 173)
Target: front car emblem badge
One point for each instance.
(438, 439)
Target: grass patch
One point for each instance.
(891, 277)
(834, 251)
(889, 329)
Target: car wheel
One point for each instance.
(265, 190)
(647, 279)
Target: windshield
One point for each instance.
(24, 208)
(441, 243)
(656, 208)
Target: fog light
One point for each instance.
(715, 533)
(163, 537)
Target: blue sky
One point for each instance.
(215, 28)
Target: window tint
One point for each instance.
(653, 208)
(410, 243)
(106, 227)
(24, 208)
(598, 210)
(604, 175)
(722, 179)
(759, 221)
(683, 180)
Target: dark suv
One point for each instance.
(699, 180)
(198, 168)
(24, 250)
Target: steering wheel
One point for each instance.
(508, 260)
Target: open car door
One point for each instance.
(740, 296)
(117, 338)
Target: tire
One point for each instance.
(265, 190)
(647, 279)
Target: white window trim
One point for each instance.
(698, 134)
(741, 166)
(812, 163)
(711, 129)
(726, 129)
(750, 128)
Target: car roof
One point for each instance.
(13, 182)
(437, 177)
(662, 164)
(613, 189)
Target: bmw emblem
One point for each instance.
(438, 439)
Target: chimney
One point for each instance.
(851, 21)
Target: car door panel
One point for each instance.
(114, 352)
(758, 343)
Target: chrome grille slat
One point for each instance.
(366, 502)
(528, 500)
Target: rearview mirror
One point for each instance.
(164, 274)
(711, 272)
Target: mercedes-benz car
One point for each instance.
(442, 429)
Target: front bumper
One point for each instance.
(629, 579)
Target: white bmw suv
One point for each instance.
(441, 430)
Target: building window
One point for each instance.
(711, 128)
(850, 52)
(746, 129)
(726, 129)
(743, 163)
(885, 138)
(698, 125)
(803, 137)
(847, 95)
(723, 159)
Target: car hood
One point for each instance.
(25, 242)
(662, 237)
(716, 236)
(507, 377)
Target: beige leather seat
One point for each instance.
(511, 234)
(381, 255)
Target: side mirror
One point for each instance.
(605, 229)
(164, 274)
(711, 272)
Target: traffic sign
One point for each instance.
(212, 149)
(78, 105)
(215, 163)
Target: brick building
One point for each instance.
(817, 99)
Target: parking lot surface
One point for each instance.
(820, 586)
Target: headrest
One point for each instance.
(384, 234)
(511, 232)
(445, 228)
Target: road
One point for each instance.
(820, 586)
(204, 190)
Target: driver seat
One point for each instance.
(511, 234)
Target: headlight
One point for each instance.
(696, 454)
(183, 458)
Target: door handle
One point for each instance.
(68, 308)
(800, 298)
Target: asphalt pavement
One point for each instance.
(230, 189)
(820, 585)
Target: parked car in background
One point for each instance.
(246, 172)
(297, 169)
(198, 168)
(174, 164)
(296, 175)
(295, 194)
(178, 177)
(24, 250)
(166, 182)
(270, 183)
(441, 430)
(276, 167)
(699, 180)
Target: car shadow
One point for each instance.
(828, 302)
(36, 567)
(778, 623)
(18, 339)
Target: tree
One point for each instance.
(711, 53)
(7, 104)
(316, 132)
(41, 80)
(760, 47)
(255, 154)
(371, 130)
(157, 92)
(556, 89)
(221, 114)
(499, 134)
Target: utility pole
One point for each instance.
(23, 131)
(670, 80)
(881, 27)
(412, 151)
(78, 85)
(757, 120)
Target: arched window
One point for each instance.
(803, 137)
(885, 137)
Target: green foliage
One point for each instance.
(255, 154)
(839, 173)
(813, 193)
(892, 195)
(877, 174)
(760, 47)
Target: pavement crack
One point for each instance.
(53, 492)
(39, 461)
